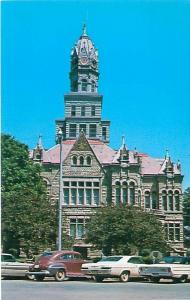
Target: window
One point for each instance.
(73, 130)
(96, 184)
(66, 196)
(154, 200)
(81, 183)
(177, 232)
(139, 198)
(93, 110)
(172, 231)
(88, 196)
(74, 160)
(84, 85)
(92, 130)
(177, 203)
(93, 86)
(96, 196)
(81, 196)
(88, 183)
(117, 193)
(170, 200)
(88, 161)
(82, 127)
(73, 183)
(124, 193)
(81, 159)
(73, 111)
(132, 193)
(164, 200)
(73, 196)
(104, 133)
(83, 111)
(77, 228)
(147, 199)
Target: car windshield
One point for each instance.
(47, 254)
(173, 260)
(111, 258)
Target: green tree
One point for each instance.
(28, 217)
(125, 230)
(186, 206)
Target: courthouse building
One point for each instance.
(96, 175)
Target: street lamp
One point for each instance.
(60, 139)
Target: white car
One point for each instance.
(12, 268)
(122, 267)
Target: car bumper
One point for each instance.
(43, 272)
(96, 272)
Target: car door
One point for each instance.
(135, 262)
(77, 263)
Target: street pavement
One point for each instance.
(90, 290)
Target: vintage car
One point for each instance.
(122, 267)
(176, 268)
(58, 264)
(10, 267)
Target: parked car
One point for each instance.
(122, 267)
(57, 264)
(10, 267)
(176, 268)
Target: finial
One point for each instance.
(167, 156)
(39, 144)
(84, 30)
(123, 140)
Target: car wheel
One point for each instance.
(99, 278)
(60, 275)
(39, 277)
(155, 279)
(182, 279)
(124, 277)
(31, 277)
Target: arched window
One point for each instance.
(164, 200)
(93, 86)
(177, 202)
(84, 85)
(117, 193)
(170, 200)
(132, 193)
(88, 160)
(81, 159)
(154, 200)
(74, 160)
(124, 193)
(139, 198)
(147, 199)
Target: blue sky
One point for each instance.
(144, 53)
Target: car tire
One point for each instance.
(60, 275)
(30, 277)
(99, 278)
(39, 277)
(182, 279)
(155, 279)
(124, 277)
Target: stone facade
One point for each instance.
(94, 174)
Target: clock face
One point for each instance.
(84, 60)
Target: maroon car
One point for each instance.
(57, 264)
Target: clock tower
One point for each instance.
(83, 105)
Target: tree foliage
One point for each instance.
(125, 230)
(186, 206)
(28, 218)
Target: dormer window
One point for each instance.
(88, 160)
(81, 159)
(74, 160)
(84, 85)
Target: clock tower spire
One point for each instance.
(84, 65)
